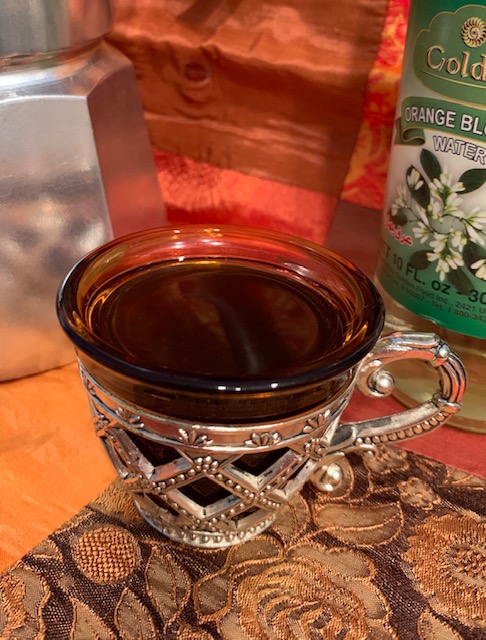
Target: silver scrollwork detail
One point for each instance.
(129, 417)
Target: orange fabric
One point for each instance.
(269, 88)
(246, 173)
(366, 179)
(263, 95)
(198, 192)
(51, 464)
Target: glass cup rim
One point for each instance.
(85, 341)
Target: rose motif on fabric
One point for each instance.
(447, 556)
(308, 594)
(298, 591)
(117, 502)
(473, 32)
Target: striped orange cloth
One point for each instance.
(263, 112)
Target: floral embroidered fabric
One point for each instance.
(398, 552)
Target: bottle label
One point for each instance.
(433, 254)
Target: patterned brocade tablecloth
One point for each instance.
(399, 551)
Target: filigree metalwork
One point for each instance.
(317, 448)
(129, 417)
(446, 401)
(213, 485)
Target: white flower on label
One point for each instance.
(457, 239)
(401, 201)
(442, 266)
(447, 259)
(451, 206)
(421, 232)
(435, 218)
(445, 193)
(434, 210)
(480, 268)
(414, 180)
(439, 243)
(474, 235)
(444, 184)
(402, 196)
(475, 222)
(476, 218)
(455, 259)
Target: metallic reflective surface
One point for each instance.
(160, 458)
(76, 168)
(41, 26)
(375, 381)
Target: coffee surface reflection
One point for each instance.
(217, 318)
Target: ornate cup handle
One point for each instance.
(374, 380)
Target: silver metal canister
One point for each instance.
(76, 167)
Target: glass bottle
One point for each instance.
(431, 266)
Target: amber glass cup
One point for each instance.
(218, 361)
